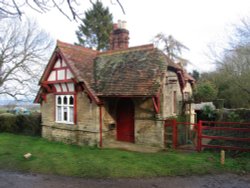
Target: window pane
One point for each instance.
(71, 114)
(59, 113)
(65, 113)
(65, 100)
(71, 100)
(59, 100)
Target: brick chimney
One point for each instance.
(119, 36)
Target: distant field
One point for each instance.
(31, 107)
(3, 110)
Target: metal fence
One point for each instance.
(207, 134)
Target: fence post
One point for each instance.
(199, 131)
(174, 134)
(165, 134)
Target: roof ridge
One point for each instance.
(134, 48)
(78, 47)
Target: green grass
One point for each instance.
(57, 158)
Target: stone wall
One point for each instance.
(171, 85)
(48, 110)
(148, 130)
(70, 136)
(85, 132)
(87, 114)
(109, 120)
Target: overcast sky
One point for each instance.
(195, 23)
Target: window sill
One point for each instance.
(64, 122)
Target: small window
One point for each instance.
(59, 100)
(65, 100)
(71, 100)
(65, 109)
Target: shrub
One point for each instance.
(22, 124)
(208, 113)
(233, 115)
(8, 123)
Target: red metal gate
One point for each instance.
(207, 134)
(180, 135)
(224, 135)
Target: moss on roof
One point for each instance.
(129, 73)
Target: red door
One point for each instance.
(125, 120)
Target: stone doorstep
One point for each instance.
(131, 147)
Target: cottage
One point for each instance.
(119, 96)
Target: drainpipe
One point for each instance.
(100, 127)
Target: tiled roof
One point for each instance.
(80, 60)
(131, 72)
(136, 71)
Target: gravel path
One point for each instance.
(27, 180)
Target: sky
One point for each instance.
(195, 23)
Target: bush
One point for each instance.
(233, 115)
(8, 123)
(208, 113)
(22, 124)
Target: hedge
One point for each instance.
(233, 115)
(21, 124)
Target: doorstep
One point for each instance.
(131, 147)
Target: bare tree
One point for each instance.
(231, 76)
(15, 8)
(23, 54)
(172, 47)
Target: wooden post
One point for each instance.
(199, 132)
(222, 157)
(174, 134)
(165, 135)
(100, 127)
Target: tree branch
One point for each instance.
(118, 1)
(42, 6)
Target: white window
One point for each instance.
(65, 109)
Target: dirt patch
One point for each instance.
(29, 180)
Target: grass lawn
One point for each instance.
(57, 158)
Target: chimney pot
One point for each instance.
(119, 38)
(124, 24)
